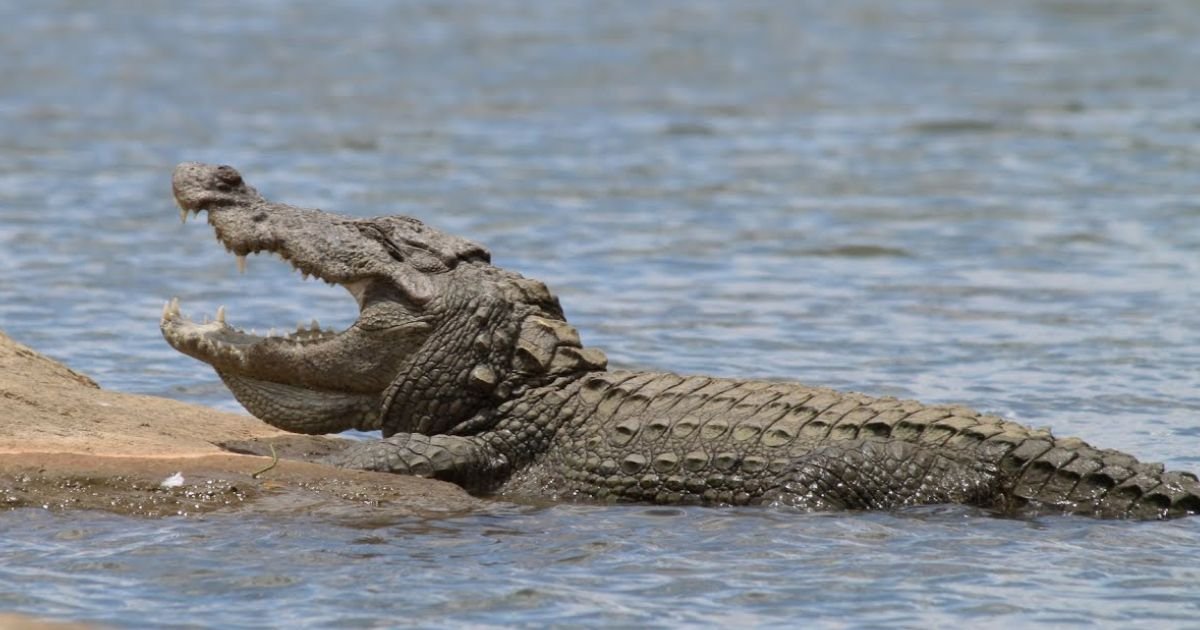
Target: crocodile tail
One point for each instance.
(1067, 474)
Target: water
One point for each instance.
(631, 566)
(949, 201)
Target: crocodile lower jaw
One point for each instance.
(223, 346)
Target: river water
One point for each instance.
(995, 204)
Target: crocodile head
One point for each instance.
(441, 337)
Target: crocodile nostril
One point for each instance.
(228, 175)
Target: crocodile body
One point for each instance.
(474, 376)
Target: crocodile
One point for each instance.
(472, 375)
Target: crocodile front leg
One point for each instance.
(468, 461)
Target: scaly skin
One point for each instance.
(474, 376)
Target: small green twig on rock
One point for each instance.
(274, 460)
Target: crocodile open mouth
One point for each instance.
(224, 346)
(272, 375)
(309, 379)
(337, 250)
(361, 358)
(314, 377)
(276, 357)
(215, 341)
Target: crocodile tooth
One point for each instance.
(316, 326)
(221, 314)
(271, 333)
(241, 263)
(166, 314)
(183, 214)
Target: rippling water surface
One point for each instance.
(950, 201)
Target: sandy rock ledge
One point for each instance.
(66, 444)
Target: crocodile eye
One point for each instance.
(422, 260)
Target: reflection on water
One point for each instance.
(949, 201)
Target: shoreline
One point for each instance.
(67, 444)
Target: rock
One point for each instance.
(65, 444)
(14, 621)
